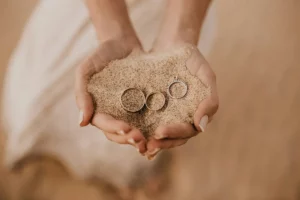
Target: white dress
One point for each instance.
(40, 113)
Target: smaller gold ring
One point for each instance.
(139, 106)
(160, 106)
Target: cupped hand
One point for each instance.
(173, 135)
(115, 130)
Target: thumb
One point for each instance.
(83, 98)
(86, 109)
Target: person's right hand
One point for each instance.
(115, 130)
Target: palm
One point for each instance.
(168, 136)
(115, 130)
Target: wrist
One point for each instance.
(110, 30)
(110, 19)
(182, 38)
(182, 23)
(124, 34)
(130, 41)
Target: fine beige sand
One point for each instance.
(146, 75)
(251, 150)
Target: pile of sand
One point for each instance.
(150, 73)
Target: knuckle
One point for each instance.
(108, 137)
(85, 69)
(120, 126)
(195, 133)
(163, 136)
(170, 145)
(92, 123)
(180, 143)
(164, 132)
(184, 142)
(213, 76)
(215, 104)
(136, 136)
(156, 145)
(81, 69)
(142, 146)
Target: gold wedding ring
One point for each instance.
(133, 100)
(159, 101)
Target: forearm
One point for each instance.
(111, 20)
(182, 22)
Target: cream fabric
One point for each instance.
(39, 104)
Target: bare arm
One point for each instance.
(181, 27)
(182, 22)
(118, 40)
(111, 20)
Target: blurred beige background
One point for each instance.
(40, 176)
(13, 15)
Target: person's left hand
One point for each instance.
(174, 135)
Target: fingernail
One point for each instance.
(121, 132)
(143, 154)
(154, 151)
(80, 119)
(131, 141)
(152, 157)
(158, 136)
(203, 123)
(138, 150)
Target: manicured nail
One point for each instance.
(153, 154)
(203, 123)
(138, 150)
(154, 151)
(151, 157)
(80, 119)
(143, 154)
(158, 136)
(131, 141)
(121, 132)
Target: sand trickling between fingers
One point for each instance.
(149, 73)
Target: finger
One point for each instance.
(83, 98)
(155, 146)
(109, 124)
(196, 61)
(130, 135)
(134, 138)
(175, 131)
(208, 107)
(205, 111)
(142, 147)
(199, 67)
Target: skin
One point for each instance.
(181, 26)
